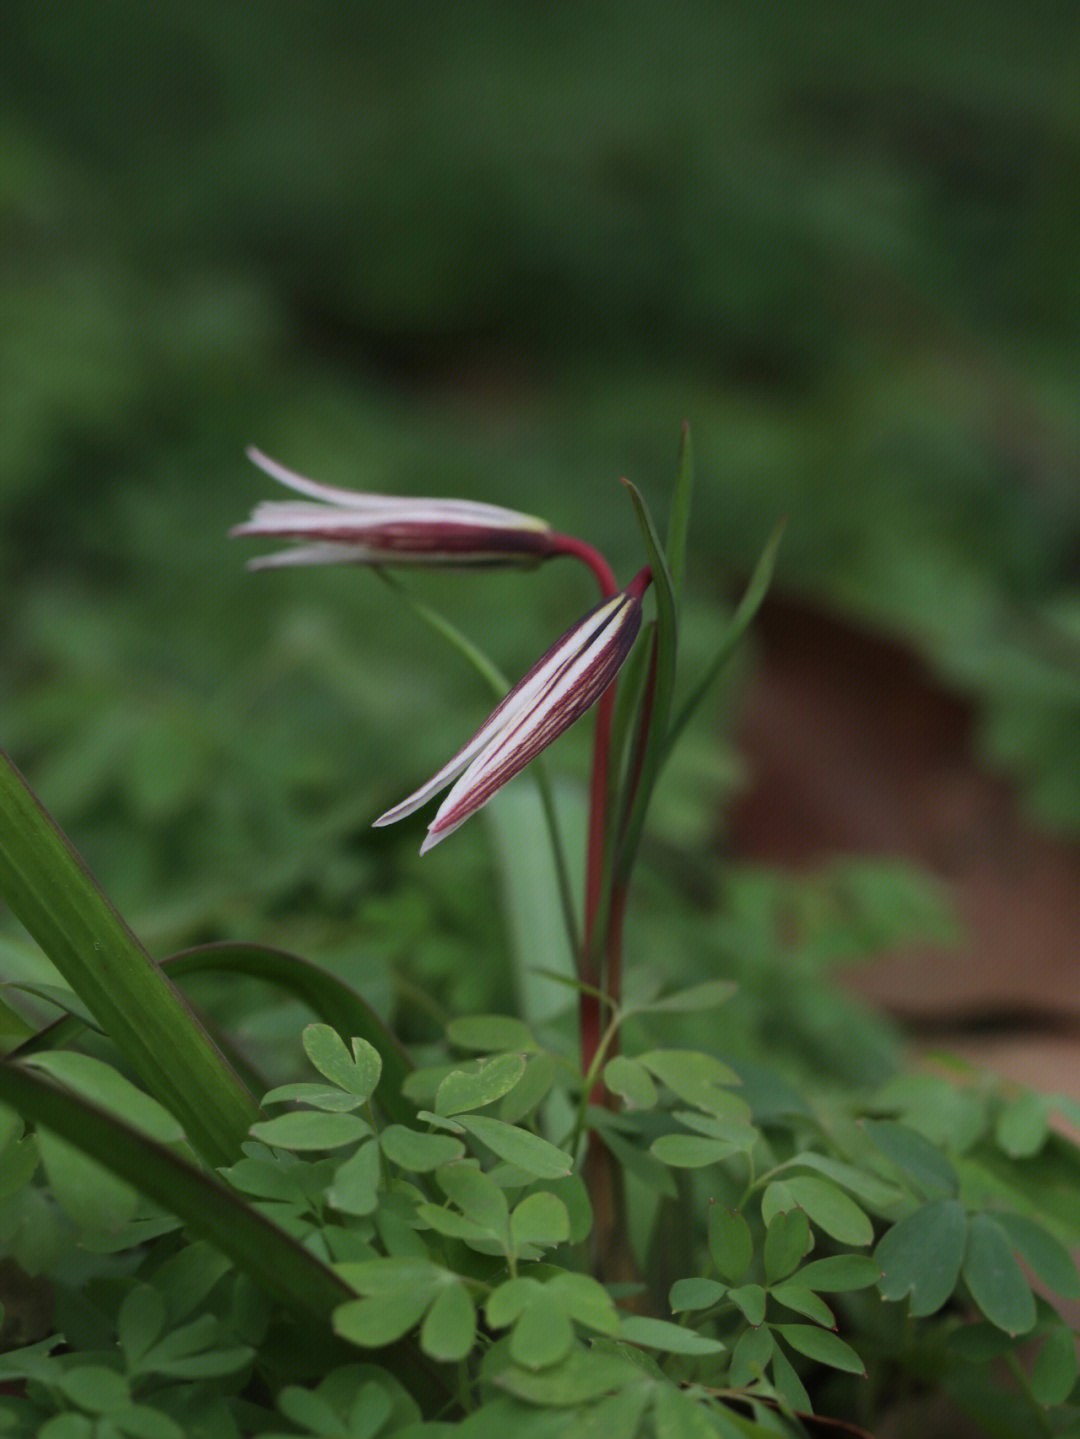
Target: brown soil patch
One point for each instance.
(855, 747)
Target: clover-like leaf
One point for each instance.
(307, 1129)
(483, 1084)
(730, 1242)
(822, 1346)
(419, 1153)
(541, 1219)
(358, 1072)
(922, 1255)
(449, 1328)
(920, 1160)
(787, 1240)
(519, 1147)
(831, 1209)
(995, 1279)
(491, 1033)
(631, 1081)
(697, 1078)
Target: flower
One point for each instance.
(559, 688)
(347, 527)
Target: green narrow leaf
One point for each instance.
(995, 1279)
(690, 1151)
(211, 1210)
(749, 1357)
(822, 1346)
(922, 1254)
(679, 516)
(326, 995)
(747, 608)
(663, 688)
(477, 1196)
(54, 895)
(788, 1383)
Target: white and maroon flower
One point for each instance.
(338, 526)
(558, 689)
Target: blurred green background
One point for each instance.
(502, 251)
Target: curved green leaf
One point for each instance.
(209, 1209)
(53, 894)
(326, 995)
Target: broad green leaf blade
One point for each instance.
(690, 1151)
(209, 1209)
(922, 1254)
(995, 1279)
(54, 895)
(750, 1300)
(326, 995)
(417, 1152)
(745, 611)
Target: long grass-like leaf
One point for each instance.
(329, 997)
(53, 894)
(679, 516)
(663, 688)
(745, 611)
(279, 1263)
